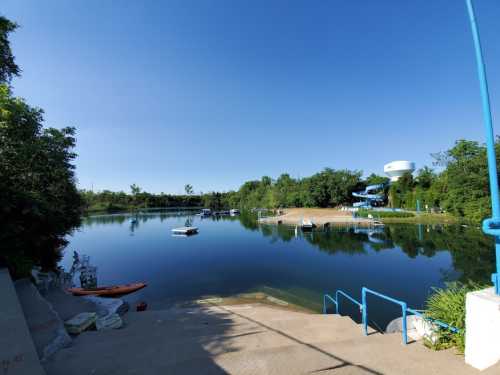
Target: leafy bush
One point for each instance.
(382, 214)
(448, 305)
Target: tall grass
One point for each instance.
(448, 305)
(384, 214)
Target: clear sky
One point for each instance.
(217, 92)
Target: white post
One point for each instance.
(482, 322)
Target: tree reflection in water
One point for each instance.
(470, 249)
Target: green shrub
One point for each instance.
(383, 214)
(448, 306)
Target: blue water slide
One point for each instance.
(369, 195)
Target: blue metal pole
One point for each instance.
(364, 312)
(337, 310)
(404, 326)
(490, 226)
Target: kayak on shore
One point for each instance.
(112, 290)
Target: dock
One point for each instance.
(185, 230)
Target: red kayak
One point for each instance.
(113, 290)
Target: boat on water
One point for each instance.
(307, 224)
(112, 290)
(234, 212)
(205, 212)
(185, 230)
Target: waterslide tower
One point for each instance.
(395, 169)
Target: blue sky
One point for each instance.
(217, 92)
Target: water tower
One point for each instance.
(396, 169)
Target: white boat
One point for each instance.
(307, 224)
(185, 230)
(206, 212)
(234, 212)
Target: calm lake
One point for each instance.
(233, 255)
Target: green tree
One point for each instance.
(188, 189)
(39, 203)
(8, 67)
(425, 177)
(135, 189)
(375, 179)
(465, 180)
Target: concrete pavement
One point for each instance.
(248, 339)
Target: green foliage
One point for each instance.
(328, 188)
(464, 183)
(382, 214)
(374, 179)
(8, 67)
(214, 201)
(39, 203)
(425, 177)
(188, 189)
(448, 305)
(110, 201)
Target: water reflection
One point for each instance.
(135, 218)
(471, 251)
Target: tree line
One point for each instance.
(457, 183)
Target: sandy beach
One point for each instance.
(320, 216)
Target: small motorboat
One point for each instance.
(112, 290)
(205, 212)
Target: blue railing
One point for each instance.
(404, 309)
(363, 306)
(336, 300)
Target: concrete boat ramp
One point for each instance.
(204, 338)
(248, 339)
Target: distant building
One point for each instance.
(395, 169)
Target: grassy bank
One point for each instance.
(424, 218)
(410, 217)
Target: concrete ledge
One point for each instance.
(482, 322)
(17, 352)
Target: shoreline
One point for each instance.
(331, 216)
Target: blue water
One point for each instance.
(235, 255)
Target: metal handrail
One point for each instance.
(336, 300)
(364, 310)
(339, 293)
(404, 308)
(434, 321)
(327, 296)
